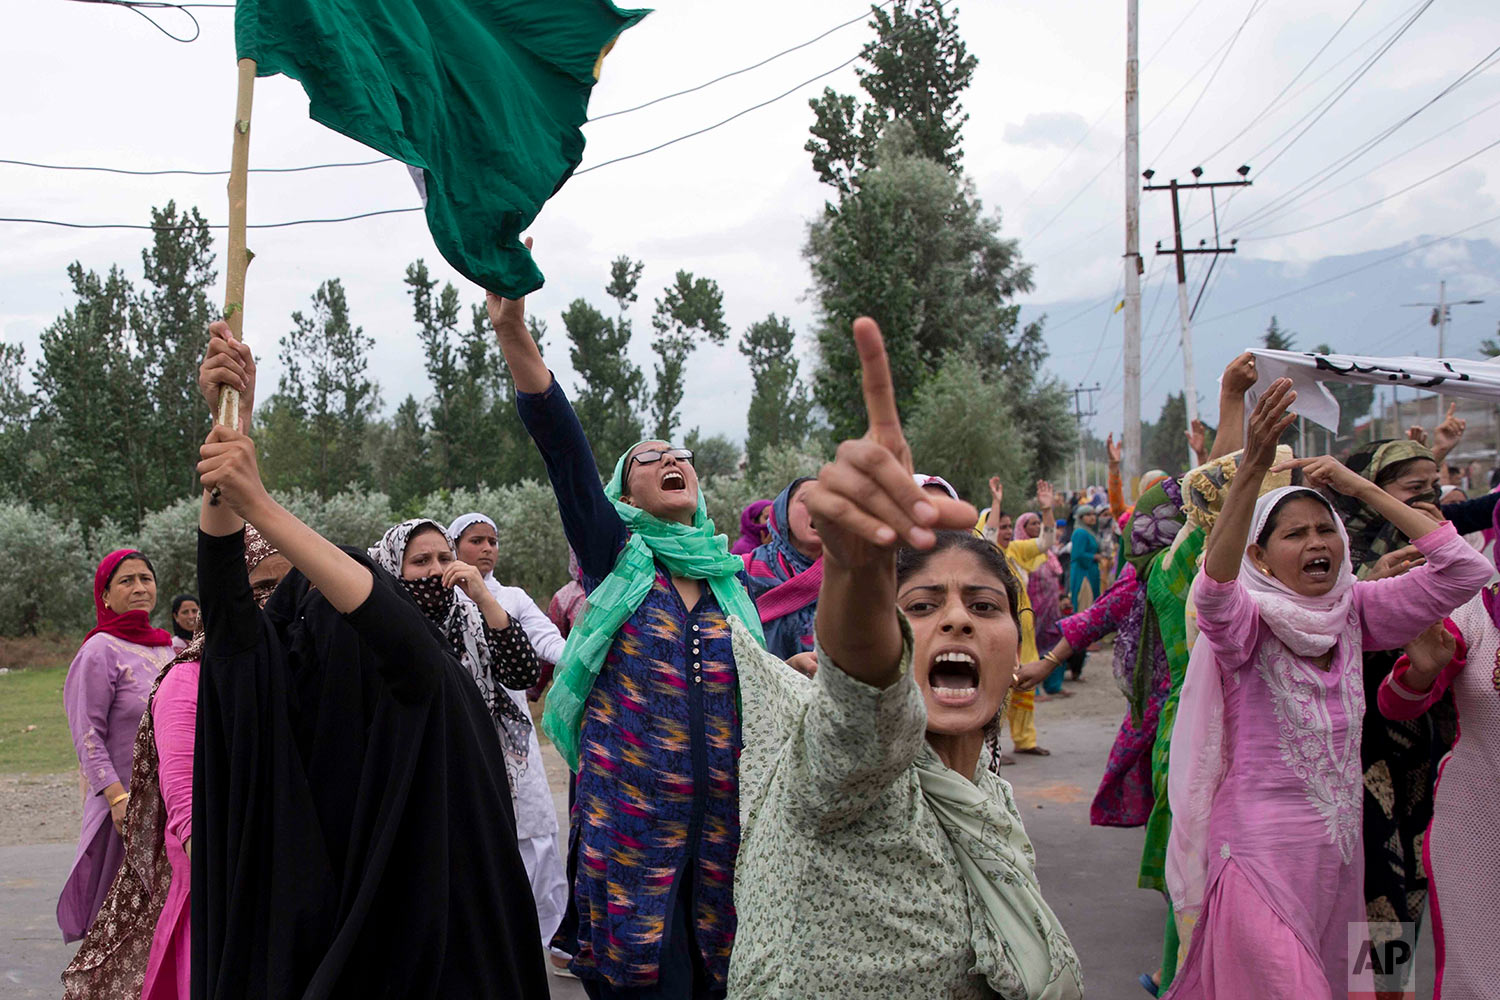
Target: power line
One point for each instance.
(1356, 270)
(1332, 170)
(746, 69)
(168, 229)
(192, 173)
(141, 6)
(1422, 144)
(1255, 6)
(1107, 110)
(1377, 201)
(1290, 83)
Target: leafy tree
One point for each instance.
(610, 384)
(689, 306)
(170, 320)
(19, 460)
(913, 249)
(947, 441)
(780, 408)
(1278, 339)
(1164, 443)
(712, 456)
(316, 425)
(918, 66)
(400, 454)
(93, 404)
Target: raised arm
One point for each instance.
(1448, 434)
(1239, 378)
(1046, 498)
(1226, 545)
(593, 528)
(864, 506)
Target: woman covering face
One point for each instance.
(453, 597)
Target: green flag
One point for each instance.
(486, 97)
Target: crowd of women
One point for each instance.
(325, 781)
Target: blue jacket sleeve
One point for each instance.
(1472, 515)
(592, 526)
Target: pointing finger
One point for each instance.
(875, 376)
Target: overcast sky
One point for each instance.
(88, 84)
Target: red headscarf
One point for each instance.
(132, 626)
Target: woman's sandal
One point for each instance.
(1035, 751)
(1148, 984)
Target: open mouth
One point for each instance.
(1318, 569)
(673, 481)
(954, 678)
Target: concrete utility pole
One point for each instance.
(1442, 312)
(1184, 314)
(1079, 416)
(1132, 429)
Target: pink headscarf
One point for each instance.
(1309, 627)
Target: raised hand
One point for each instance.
(508, 317)
(1397, 562)
(1268, 421)
(228, 363)
(865, 502)
(997, 492)
(1326, 471)
(1113, 449)
(1448, 433)
(1046, 496)
(1428, 654)
(1417, 434)
(229, 467)
(1197, 437)
(1240, 375)
(462, 575)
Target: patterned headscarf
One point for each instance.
(694, 551)
(461, 623)
(1371, 535)
(111, 962)
(787, 614)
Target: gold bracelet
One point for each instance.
(118, 799)
(1052, 658)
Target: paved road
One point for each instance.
(1087, 874)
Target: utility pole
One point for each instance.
(1184, 314)
(1442, 311)
(1132, 429)
(1079, 416)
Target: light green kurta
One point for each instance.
(846, 884)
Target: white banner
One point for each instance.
(1458, 377)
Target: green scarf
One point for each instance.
(1020, 947)
(693, 552)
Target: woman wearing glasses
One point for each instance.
(642, 704)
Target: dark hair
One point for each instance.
(1275, 515)
(1396, 470)
(109, 581)
(180, 599)
(909, 561)
(422, 530)
(794, 486)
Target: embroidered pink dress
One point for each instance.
(1462, 849)
(1284, 877)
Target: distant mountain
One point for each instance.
(1353, 303)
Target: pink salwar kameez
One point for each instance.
(1265, 866)
(1461, 851)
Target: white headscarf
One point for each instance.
(1309, 627)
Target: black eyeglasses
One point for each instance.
(651, 457)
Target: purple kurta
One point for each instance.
(104, 696)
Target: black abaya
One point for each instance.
(353, 834)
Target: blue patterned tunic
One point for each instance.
(656, 824)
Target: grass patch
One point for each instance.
(34, 734)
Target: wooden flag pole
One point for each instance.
(239, 257)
